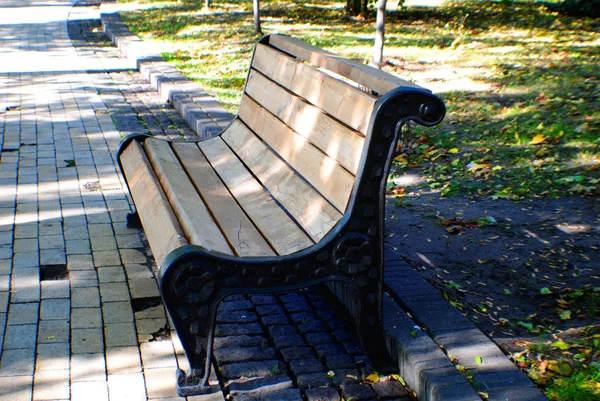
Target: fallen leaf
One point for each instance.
(372, 378)
(545, 291)
(478, 360)
(538, 139)
(566, 315)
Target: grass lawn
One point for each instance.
(521, 85)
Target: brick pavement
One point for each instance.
(80, 313)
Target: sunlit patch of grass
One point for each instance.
(520, 82)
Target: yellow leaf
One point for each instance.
(453, 150)
(398, 378)
(538, 139)
(372, 378)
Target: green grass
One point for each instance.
(520, 82)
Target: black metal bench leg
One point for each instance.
(197, 380)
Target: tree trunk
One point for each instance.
(379, 34)
(257, 29)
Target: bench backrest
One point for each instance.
(308, 109)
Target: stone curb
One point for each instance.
(200, 110)
(421, 360)
(490, 370)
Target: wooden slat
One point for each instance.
(372, 78)
(306, 205)
(160, 224)
(346, 103)
(334, 139)
(243, 237)
(194, 218)
(323, 172)
(276, 226)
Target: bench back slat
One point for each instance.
(323, 172)
(161, 227)
(194, 218)
(316, 216)
(277, 227)
(341, 100)
(331, 137)
(372, 78)
(241, 234)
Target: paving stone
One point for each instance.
(312, 380)
(129, 241)
(263, 299)
(26, 313)
(319, 338)
(117, 312)
(160, 383)
(155, 312)
(120, 334)
(51, 385)
(113, 292)
(88, 367)
(126, 387)
(17, 362)
(86, 341)
(357, 392)
(16, 388)
(86, 318)
(89, 391)
(137, 271)
(132, 256)
(390, 389)
(339, 361)
(158, 354)
(55, 289)
(301, 366)
(235, 371)
(143, 288)
(345, 376)
(85, 298)
(300, 306)
(290, 354)
(111, 274)
(53, 356)
(269, 309)
(290, 394)
(20, 336)
(240, 341)
(80, 262)
(53, 331)
(123, 360)
(287, 340)
(83, 278)
(150, 329)
(236, 316)
(325, 350)
(455, 392)
(282, 330)
(262, 386)
(106, 258)
(248, 329)
(322, 394)
(55, 309)
(53, 256)
(274, 320)
(242, 354)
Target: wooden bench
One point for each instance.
(290, 195)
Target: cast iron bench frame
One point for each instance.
(194, 280)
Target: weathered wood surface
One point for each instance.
(266, 214)
(241, 234)
(331, 137)
(159, 222)
(372, 78)
(303, 202)
(347, 103)
(193, 216)
(323, 172)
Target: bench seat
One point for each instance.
(291, 194)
